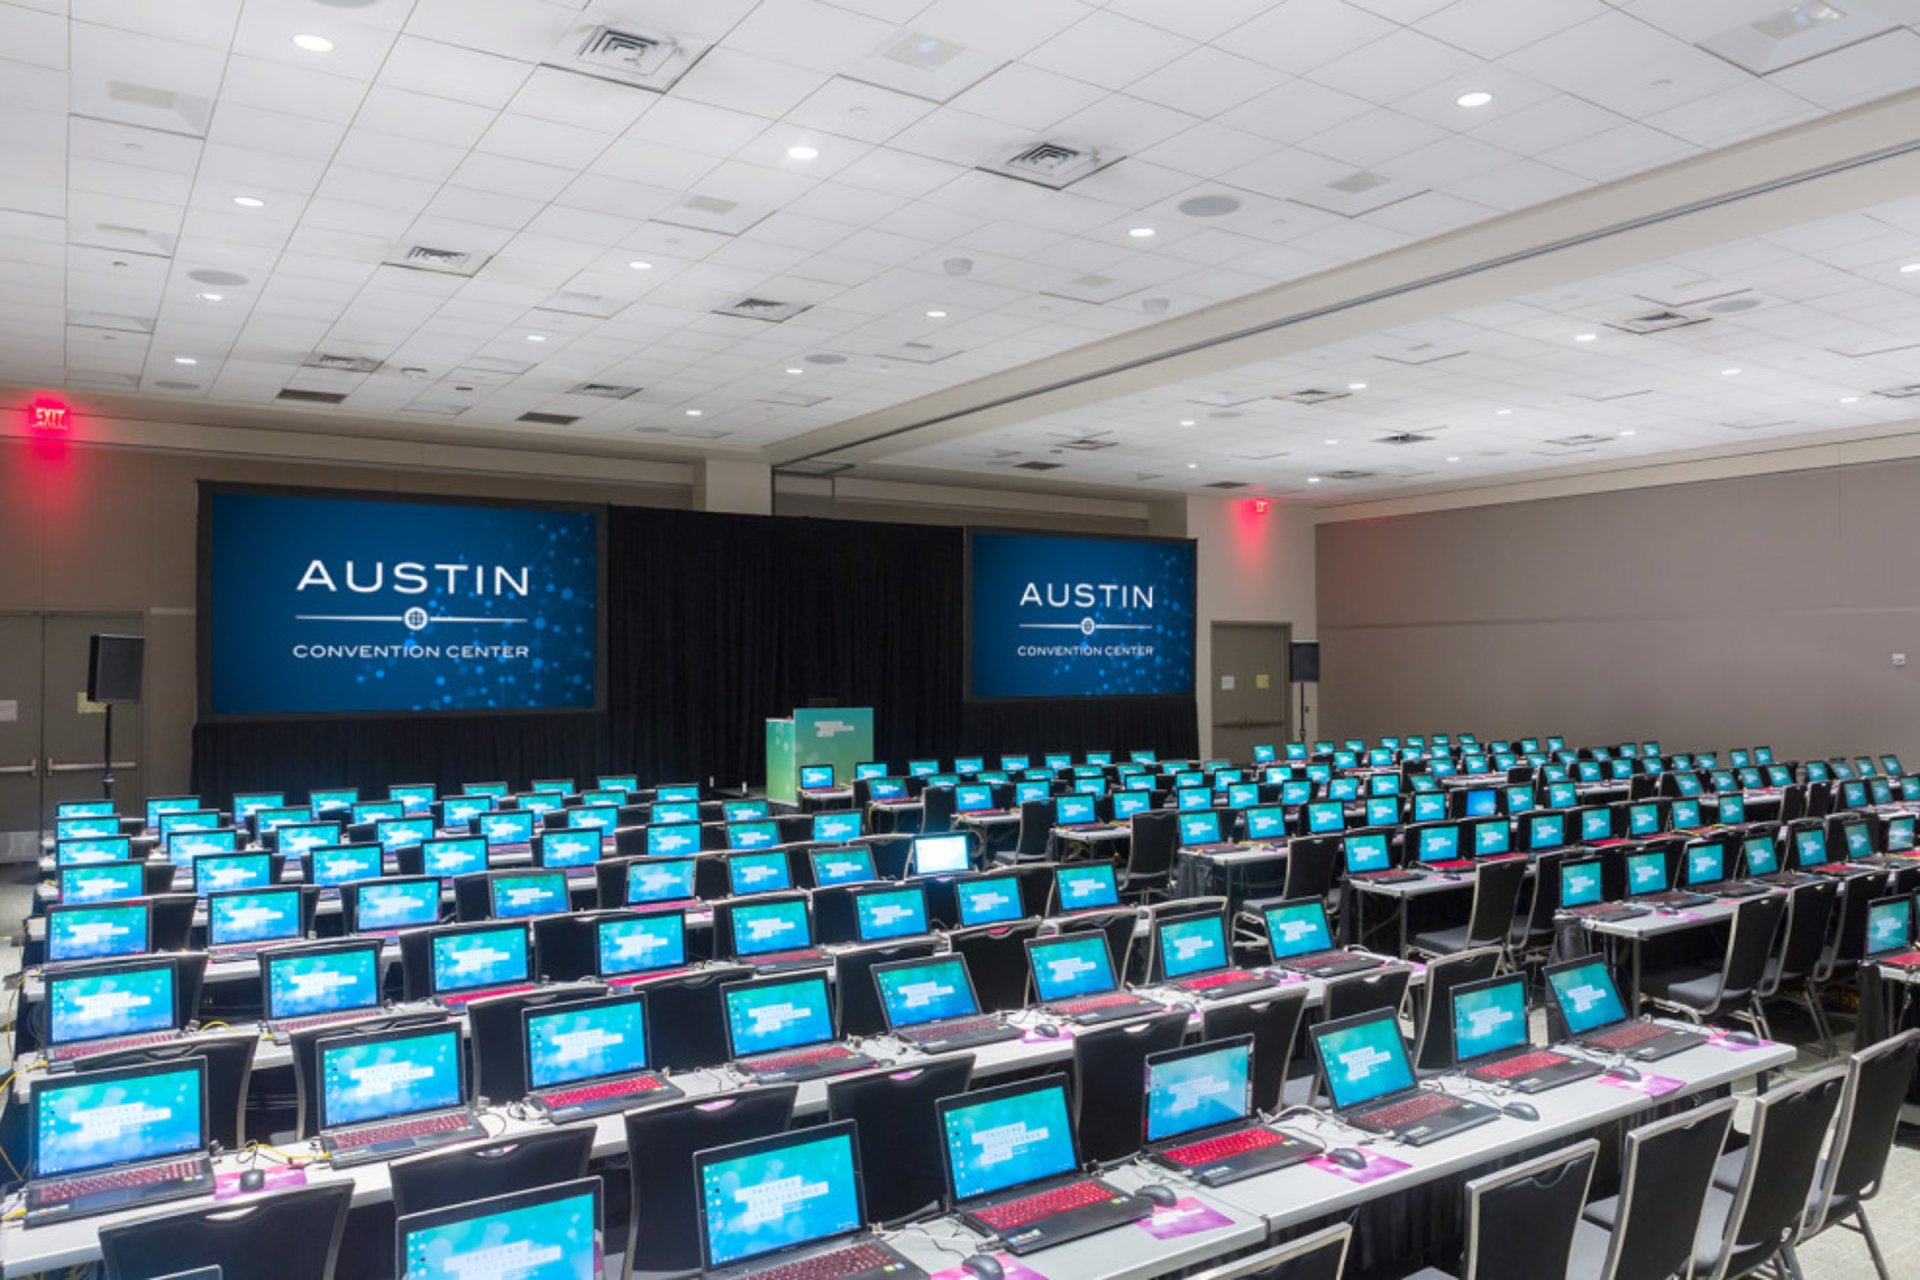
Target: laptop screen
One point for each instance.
(100, 1118)
(89, 1006)
(1643, 819)
(664, 880)
(1706, 863)
(830, 827)
(1326, 815)
(159, 806)
(559, 1226)
(415, 798)
(989, 900)
(1364, 1059)
(507, 828)
(1197, 944)
(972, 799)
(1439, 844)
(1763, 858)
(1297, 928)
(1073, 811)
(81, 849)
(333, 798)
(1586, 997)
(841, 866)
(534, 893)
(637, 944)
(780, 1014)
(378, 810)
(1646, 873)
(869, 769)
(1889, 925)
(752, 835)
(389, 1074)
(918, 991)
(396, 833)
(491, 790)
(1266, 824)
(1189, 1089)
(1684, 815)
(814, 777)
(1200, 828)
(541, 803)
(671, 812)
(1128, 803)
(1085, 888)
(1192, 799)
(480, 958)
(299, 837)
(1494, 836)
(102, 882)
(586, 1041)
(887, 789)
(1366, 852)
(745, 810)
(880, 914)
(333, 865)
(1489, 1017)
(593, 817)
(749, 873)
(232, 871)
(1859, 838)
(93, 933)
(759, 928)
(1008, 1137)
(1429, 806)
(1579, 882)
(1810, 847)
(673, 839)
(303, 982)
(396, 904)
(1596, 824)
(678, 793)
(1077, 964)
(184, 846)
(571, 848)
(458, 809)
(1545, 830)
(1900, 834)
(104, 808)
(941, 855)
(1025, 791)
(259, 915)
(1482, 802)
(777, 1194)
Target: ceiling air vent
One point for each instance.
(1577, 442)
(627, 52)
(452, 262)
(1055, 165)
(1347, 475)
(1314, 395)
(1038, 466)
(342, 364)
(1404, 437)
(1228, 484)
(1087, 444)
(604, 391)
(550, 419)
(1658, 322)
(297, 396)
(762, 309)
(1907, 392)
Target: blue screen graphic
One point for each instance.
(778, 1015)
(1192, 946)
(842, 866)
(102, 882)
(344, 863)
(1200, 828)
(1366, 852)
(88, 933)
(587, 1041)
(569, 848)
(635, 946)
(334, 604)
(396, 904)
(1198, 1091)
(1298, 928)
(891, 913)
(1489, 1020)
(534, 894)
(1889, 925)
(667, 840)
(1082, 888)
(389, 1077)
(396, 833)
(1579, 883)
(1073, 966)
(1365, 1061)
(119, 1004)
(325, 982)
(665, 881)
(89, 1125)
(758, 873)
(1079, 617)
(928, 992)
(487, 958)
(1007, 1141)
(554, 1240)
(770, 926)
(237, 871)
(454, 856)
(267, 916)
(1586, 996)
(507, 827)
(835, 826)
(988, 901)
(74, 852)
(793, 1195)
(752, 835)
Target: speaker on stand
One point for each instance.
(1303, 669)
(114, 665)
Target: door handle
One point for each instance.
(28, 770)
(91, 767)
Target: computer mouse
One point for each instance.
(984, 1266)
(1521, 1111)
(1348, 1158)
(1046, 1031)
(1159, 1195)
(1623, 1072)
(253, 1179)
(1743, 1037)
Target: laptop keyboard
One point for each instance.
(1315, 959)
(1227, 1144)
(786, 957)
(956, 1027)
(1092, 1004)
(288, 1026)
(1419, 1107)
(1628, 1037)
(114, 1180)
(1208, 981)
(455, 999)
(799, 1058)
(1016, 1213)
(1525, 1064)
(1905, 960)
(418, 1127)
(829, 1266)
(68, 1052)
(557, 1098)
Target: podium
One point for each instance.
(839, 736)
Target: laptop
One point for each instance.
(551, 1231)
(781, 1028)
(104, 1141)
(1191, 955)
(446, 857)
(1890, 932)
(1199, 1108)
(1369, 857)
(1647, 883)
(1013, 1170)
(654, 882)
(243, 922)
(633, 946)
(385, 1094)
(883, 913)
(790, 1206)
(988, 899)
(1490, 1041)
(1087, 887)
(851, 865)
(588, 1057)
(752, 835)
(478, 961)
(77, 931)
(314, 986)
(751, 873)
(836, 827)
(519, 895)
(1589, 1004)
(1581, 889)
(383, 908)
(101, 882)
(1706, 862)
(816, 778)
(774, 935)
(568, 849)
(1073, 974)
(110, 1007)
(930, 1004)
(1298, 938)
(1365, 1064)
(942, 855)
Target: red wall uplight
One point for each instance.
(47, 417)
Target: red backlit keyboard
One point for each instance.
(603, 1089)
(1526, 1064)
(454, 999)
(288, 1026)
(1314, 959)
(786, 957)
(68, 1052)
(115, 1180)
(1906, 960)
(418, 1127)
(1627, 1037)
(956, 1027)
(1014, 1213)
(1208, 981)
(1091, 1004)
(798, 1058)
(1418, 1107)
(1227, 1144)
(830, 1266)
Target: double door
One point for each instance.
(51, 738)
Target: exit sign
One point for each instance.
(47, 415)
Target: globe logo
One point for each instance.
(1088, 626)
(415, 618)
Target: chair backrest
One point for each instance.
(899, 1132)
(1850, 935)
(1155, 835)
(996, 956)
(1809, 909)
(891, 854)
(1311, 865)
(1877, 1080)
(1433, 1043)
(1789, 1126)
(1546, 897)
(1110, 1075)
(1320, 1256)
(1119, 924)
(1496, 890)
(1667, 1171)
(1036, 825)
(1352, 994)
(229, 1062)
(536, 1159)
(1756, 923)
(686, 1021)
(664, 1234)
(1520, 1221)
(289, 1235)
(1274, 1023)
(854, 993)
(1148, 862)
(1793, 802)
(937, 808)
(171, 921)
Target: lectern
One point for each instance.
(839, 736)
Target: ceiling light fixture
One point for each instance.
(1313, 479)
(249, 202)
(1186, 422)
(185, 360)
(211, 297)
(1478, 98)
(1585, 337)
(313, 43)
(1502, 412)
(1849, 399)
(1453, 458)
(536, 337)
(1193, 466)
(1333, 442)
(936, 315)
(640, 266)
(1729, 373)
(1141, 233)
(694, 413)
(796, 371)
(1627, 432)
(1910, 268)
(803, 153)
(1356, 386)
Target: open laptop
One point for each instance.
(1707, 872)
(945, 855)
(1890, 932)
(109, 1007)
(520, 895)
(929, 1003)
(1365, 1064)
(1013, 1171)
(385, 1094)
(781, 1028)
(1191, 954)
(634, 946)
(383, 908)
(788, 1207)
(1582, 892)
(1085, 887)
(1647, 883)
(1199, 1108)
(1299, 939)
(551, 1231)
(850, 865)
(885, 912)
(773, 934)
(1589, 1004)
(988, 899)
(588, 1057)
(661, 882)
(1073, 974)
(836, 826)
(80, 931)
(477, 961)
(314, 986)
(101, 882)
(751, 873)
(104, 1141)
(243, 922)
(818, 778)
(1490, 1041)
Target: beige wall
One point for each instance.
(1762, 609)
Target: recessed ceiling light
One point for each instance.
(1849, 399)
(694, 413)
(1140, 233)
(1585, 337)
(1333, 442)
(1186, 422)
(211, 297)
(803, 153)
(1453, 458)
(637, 265)
(1503, 412)
(185, 360)
(249, 202)
(1729, 373)
(536, 337)
(936, 315)
(1627, 432)
(1193, 466)
(1910, 268)
(1356, 386)
(796, 371)
(1478, 98)
(313, 43)
(1313, 479)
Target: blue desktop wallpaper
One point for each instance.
(1197, 1092)
(778, 1016)
(669, 880)
(926, 992)
(652, 942)
(892, 913)
(340, 604)
(1192, 946)
(484, 958)
(988, 901)
(1365, 1061)
(1074, 966)
(558, 1240)
(1489, 1020)
(384, 905)
(779, 1199)
(110, 1005)
(586, 1043)
(253, 917)
(303, 984)
(91, 932)
(102, 882)
(389, 1077)
(1055, 617)
(770, 926)
(86, 1126)
(1007, 1141)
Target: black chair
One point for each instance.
(1036, 832)
(1274, 1023)
(229, 1062)
(1148, 872)
(1521, 1221)
(855, 995)
(1119, 924)
(1154, 838)
(170, 918)
(1349, 996)
(891, 855)
(1803, 937)
(1433, 1037)
(1700, 992)
(1320, 1256)
(497, 1038)
(663, 1235)
(834, 921)
(1848, 941)
(938, 807)
(1110, 1075)
(290, 1235)
(537, 1159)
(686, 1021)
(1496, 890)
(1649, 1228)
(1531, 936)
(996, 956)
(1793, 802)
(901, 1156)
(1311, 866)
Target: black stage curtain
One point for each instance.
(715, 623)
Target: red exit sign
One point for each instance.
(47, 415)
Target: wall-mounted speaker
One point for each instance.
(1303, 664)
(114, 664)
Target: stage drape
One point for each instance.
(715, 623)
